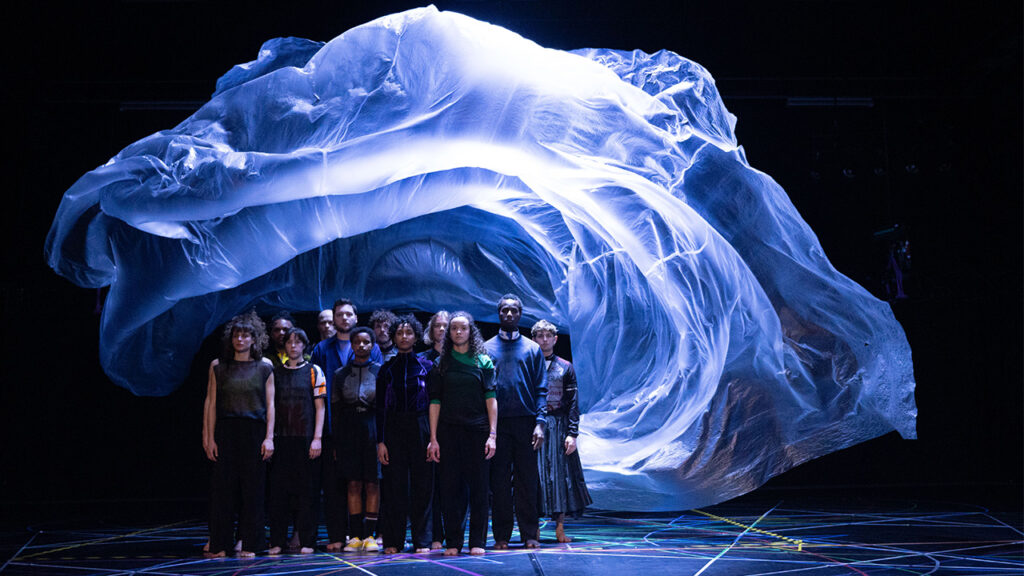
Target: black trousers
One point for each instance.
(464, 478)
(238, 485)
(515, 466)
(335, 493)
(408, 484)
(291, 491)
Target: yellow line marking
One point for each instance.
(360, 568)
(798, 543)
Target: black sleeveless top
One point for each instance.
(294, 411)
(241, 389)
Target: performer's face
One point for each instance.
(459, 328)
(508, 315)
(405, 338)
(241, 341)
(362, 344)
(278, 331)
(438, 329)
(325, 323)
(381, 331)
(344, 318)
(546, 340)
(294, 347)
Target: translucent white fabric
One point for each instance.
(429, 160)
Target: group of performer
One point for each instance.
(379, 428)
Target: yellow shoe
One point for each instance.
(370, 545)
(354, 545)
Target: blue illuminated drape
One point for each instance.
(429, 160)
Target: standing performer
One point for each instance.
(280, 324)
(325, 324)
(433, 336)
(330, 355)
(463, 423)
(299, 405)
(562, 488)
(239, 435)
(403, 432)
(381, 321)
(521, 382)
(355, 439)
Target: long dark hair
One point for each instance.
(249, 322)
(476, 342)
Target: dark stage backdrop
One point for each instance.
(884, 121)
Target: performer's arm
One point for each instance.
(267, 449)
(492, 421)
(210, 415)
(570, 394)
(433, 450)
(540, 376)
(319, 392)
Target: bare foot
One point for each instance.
(476, 551)
(220, 554)
(274, 551)
(391, 550)
(306, 550)
(423, 550)
(532, 544)
(436, 545)
(451, 551)
(560, 535)
(246, 554)
(501, 545)
(334, 547)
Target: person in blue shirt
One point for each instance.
(521, 382)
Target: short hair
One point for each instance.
(382, 315)
(409, 319)
(282, 315)
(519, 303)
(362, 330)
(344, 302)
(248, 322)
(428, 337)
(544, 326)
(297, 332)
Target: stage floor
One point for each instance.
(755, 535)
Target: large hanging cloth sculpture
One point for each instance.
(429, 160)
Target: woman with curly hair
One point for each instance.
(463, 418)
(238, 435)
(402, 435)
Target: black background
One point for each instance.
(937, 151)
